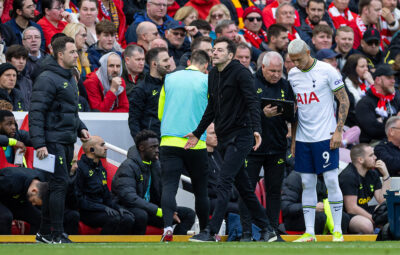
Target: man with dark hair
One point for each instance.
(174, 108)
(97, 207)
(243, 54)
(20, 191)
(54, 125)
(315, 16)
(381, 102)
(52, 20)
(12, 139)
(8, 92)
(143, 101)
(137, 186)
(369, 15)
(236, 114)
(321, 38)
(278, 40)
(133, 66)
(17, 56)
(22, 13)
(106, 36)
(359, 183)
(203, 26)
(199, 43)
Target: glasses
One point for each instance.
(83, 35)
(251, 19)
(395, 128)
(371, 43)
(58, 8)
(217, 16)
(176, 33)
(159, 5)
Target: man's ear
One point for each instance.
(141, 147)
(188, 62)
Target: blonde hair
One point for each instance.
(71, 30)
(184, 12)
(219, 7)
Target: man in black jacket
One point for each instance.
(143, 101)
(54, 125)
(272, 153)
(8, 92)
(137, 186)
(20, 191)
(96, 205)
(388, 150)
(235, 110)
(381, 101)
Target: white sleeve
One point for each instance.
(334, 79)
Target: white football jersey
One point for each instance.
(315, 100)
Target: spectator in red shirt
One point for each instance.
(252, 27)
(105, 88)
(52, 21)
(269, 13)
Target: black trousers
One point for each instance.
(54, 203)
(111, 225)
(71, 221)
(173, 161)
(143, 219)
(14, 210)
(234, 151)
(274, 168)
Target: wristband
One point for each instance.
(159, 213)
(386, 179)
(12, 141)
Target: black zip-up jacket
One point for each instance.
(291, 195)
(390, 154)
(232, 102)
(92, 190)
(53, 115)
(274, 129)
(367, 118)
(15, 98)
(131, 181)
(15, 181)
(143, 105)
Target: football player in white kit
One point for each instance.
(316, 136)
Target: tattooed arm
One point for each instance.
(344, 104)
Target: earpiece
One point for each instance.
(91, 149)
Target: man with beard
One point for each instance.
(344, 44)
(105, 87)
(22, 14)
(359, 183)
(143, 101)
(315, 16)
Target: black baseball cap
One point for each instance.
(383, 70)
(371, 35)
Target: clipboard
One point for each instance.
(47, 164)
(284, 106)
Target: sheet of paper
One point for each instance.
(47, 164)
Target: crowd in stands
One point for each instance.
(126, 49)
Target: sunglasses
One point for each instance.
(251, 19)
(217, 16)
(176, 33)
(376, 43)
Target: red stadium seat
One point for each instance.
(25, 124)
(16, 230)
(86, 230)
(260, 192)
(3, 160)
(150, 230)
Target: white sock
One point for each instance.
(309, 201)
(335, 198)
(167, 229)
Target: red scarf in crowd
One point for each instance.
(381, 107)
(171, 10)
(255, 39)
(308, 22)
(363, 88)
(293, 35)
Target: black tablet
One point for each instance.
(284, 106)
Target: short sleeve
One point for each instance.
(348, 184)
(334, 79)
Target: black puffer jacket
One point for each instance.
(53, 115)
(274, 129)
(233, 104)
(131, 181)
(92, 190)
(143, 105)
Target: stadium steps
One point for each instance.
(156, 238)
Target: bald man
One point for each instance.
(146, 32)
(96, 205)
